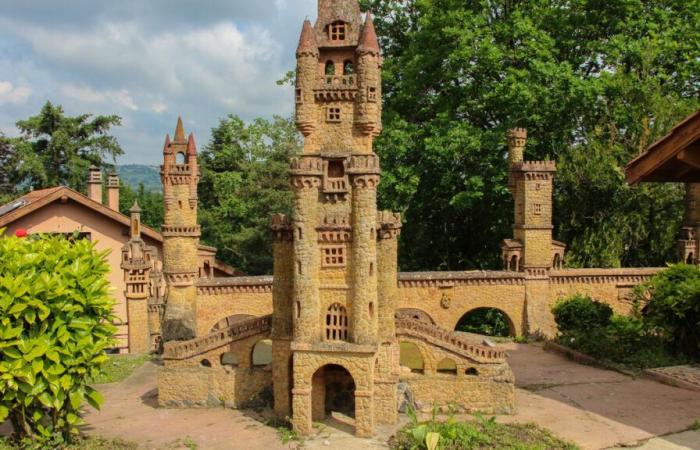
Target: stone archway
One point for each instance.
(488, 321)
(416, 314)
(332, 390)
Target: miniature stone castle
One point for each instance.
(332, 328)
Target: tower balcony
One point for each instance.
(336, 87)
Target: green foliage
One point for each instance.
(83, 443)
(591, 327)
(594, 82)
(488, 321)
(581, 313)
(119, 368)
(481, 433)
(55, 324)
(245, 179)
(55, 149)
(151, 203)
(674, 307)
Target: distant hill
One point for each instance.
(135, 174)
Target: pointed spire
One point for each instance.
(179, 131)
(368, 39)
(136, 208)
(166, 147)
(307, 40)
(191, 145)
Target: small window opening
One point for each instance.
(447, 366)
(371, 310)
(333, 114)
(336, 31)
(372, 94)
(299, 97)
(347, 68)
(336, 169)
(300, 233)
(371, 269)
(298, 309)
(471, 372)
(205, 363)
(179, 203)
(180, 158)
(299, 267)
(538, 209)
(330, 68)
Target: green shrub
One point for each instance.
(55, 324)
(581, 313)
(674, 307)
(481, 433)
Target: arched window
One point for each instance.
(330, 68)
(690, 259)
(347, 67)
(262, 353)
(180, 158)
(557, 262)
(411, 357)
(447, 366)
(337, 323)
(472, 372)
(514, 263)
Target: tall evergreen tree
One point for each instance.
(245, 179)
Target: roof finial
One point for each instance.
(191, 145)
(179, 130)
(368, 39)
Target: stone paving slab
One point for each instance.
(686, 440)
(683, 376)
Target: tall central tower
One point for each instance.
(335, 275)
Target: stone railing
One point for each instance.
(448, 340)
(603, 276)
(448, 279)
(235, 285)
(197, 346)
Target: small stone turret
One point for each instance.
(688, 242)
(180, 177)
(307, 67)
(369, 82)
(137, 264)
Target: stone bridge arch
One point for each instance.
(500, 314)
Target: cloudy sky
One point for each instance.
(148, 61)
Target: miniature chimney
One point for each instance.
(94, 183)
(113, 191)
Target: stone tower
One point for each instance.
(180, 176)
(688, 241)
(137, 264)
(335, 275)
(532, 249)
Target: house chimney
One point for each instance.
(113, 191)
(94, 183)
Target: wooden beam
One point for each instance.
(690, 156)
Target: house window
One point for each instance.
(330, 68)
(334, 256)
(333, 115)
(372, 94)
(538, 209)
(299, 97)
(336, 169)
(336, 31)
(347, 68)
(337, 323)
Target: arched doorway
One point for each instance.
(486, 321)
(333, 391)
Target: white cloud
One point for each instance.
(159, 107)
(121, 98)
(10, 93)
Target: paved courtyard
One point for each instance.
(593, 407)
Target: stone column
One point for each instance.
(389, 226)
(306, 182)
(364, 259)
(137, 316)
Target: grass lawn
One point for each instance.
(86, 443)
(119, 367)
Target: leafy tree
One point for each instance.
(17, 162)
(245, 179)
(674, 307)
(58, 149)
(55, 324)
(594, 82)
(151, 204)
